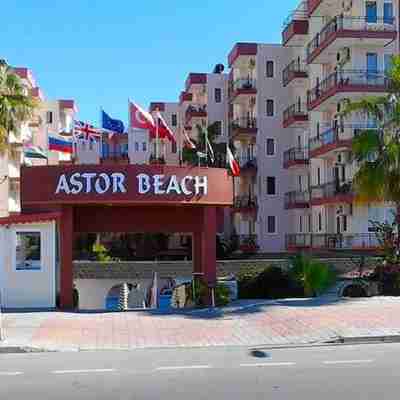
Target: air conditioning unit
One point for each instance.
(347, 5)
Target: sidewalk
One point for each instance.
(246, 323)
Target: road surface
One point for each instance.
(329, 373)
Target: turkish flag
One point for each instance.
(140, 118)
(164, 131)
(233, 164)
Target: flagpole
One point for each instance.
(180, 149)
(101, 136)
(206, 142)
(157, 122)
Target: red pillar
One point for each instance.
(66, 270)
(196, 253)
(208, 245)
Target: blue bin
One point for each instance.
(164, 301)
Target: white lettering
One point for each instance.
(158, 183)
(173, 185)
(118, 182)
(77, 186)
(201, 183)
(144, 183)
(88, 176)
(63, 185)
(107, 184)
(185, 189)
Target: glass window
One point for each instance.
(218, 95)
(271, 185)
(319, 222)
(271, 224)
(174, 120)
(49, 117)
(218, 128)
(372, 62)
(270, 108)
(270, 69)
(371, 11)
(174, 147)
(136, 146)
(270, 147)
(28, 251)
(124, 148)
(300, 223)
(387, 62)
(144, 146)
(388, 12)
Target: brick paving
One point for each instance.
(284, 322)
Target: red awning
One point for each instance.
(29, 218)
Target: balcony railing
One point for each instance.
(245, 203)
(294, 114)
(246, 243)
(343, 26)
(297, 199)
(244, 123)
(248, 163)
(312, 5)
(333, 241)
(332, 192)
(295, 156)
(296, 69)
(348, 81)
(243, 85)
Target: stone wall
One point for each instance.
(167, 269)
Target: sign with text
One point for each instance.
(79, 184)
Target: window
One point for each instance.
(319, 222)
(371, 11)
(218, 128)
(270, 108)
(300, 182)
(218, 95)
(299, 146)
(387, 62)
(372, 63)
(318, 176)
(174, 120)
(270, 147)
(28, 251)
(136, 146)
(144, 146)
(124, 149)
(271, 185)
(344, 221)
(49, 117)
(106, 150)
(270, 69)
(271, 224)
(388, 12)
(301, 224)
(309, 222)
(174, 147)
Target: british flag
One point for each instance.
(86, 132)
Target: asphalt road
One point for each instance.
(339, 372)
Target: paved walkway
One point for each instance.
(285, 322)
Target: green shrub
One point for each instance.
(100, 252)
(312, 275)
(269, 283)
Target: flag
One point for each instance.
(111, 124)
(60, 145)
(34, 152)
(233, 164)
(140, 118)
(208, 144)
(164, 131)
(189, 143)
(85, 131)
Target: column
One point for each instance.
(66, 269)
(208, 245)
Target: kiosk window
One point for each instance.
(28, 253)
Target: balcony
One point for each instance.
(296, 200)
(248, 165)
(342, 32)
(332, 193)
(199, 111)
(242, 86)
(241, 50)
(332, 241)
(114, 158)
(296, 71)
(295, 116)
(295, 157)
(244, 128)
(330, 140)
(340, 84)
(247, 244)
(246, 204)
(185, 97)
(312, 5)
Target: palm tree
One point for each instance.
(16, 105)
(377, 150)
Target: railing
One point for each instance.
(363, 79)
(299, 13)
(294, 111)
(244, 123)
(296, 68)
(295, 154)
(334, 241)
(296, 197)
(341, 23)
(246, 243)
(244, 84)
(114, 155)
(246, 201)
(332, 189)
(247, 162)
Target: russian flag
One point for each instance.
(60, 145)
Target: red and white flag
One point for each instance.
(188, 142)
(164, 131)
(140, 118)
(233, 164)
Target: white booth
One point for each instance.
(27, 263)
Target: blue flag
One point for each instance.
(111, 124)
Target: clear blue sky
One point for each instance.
(101, 52)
